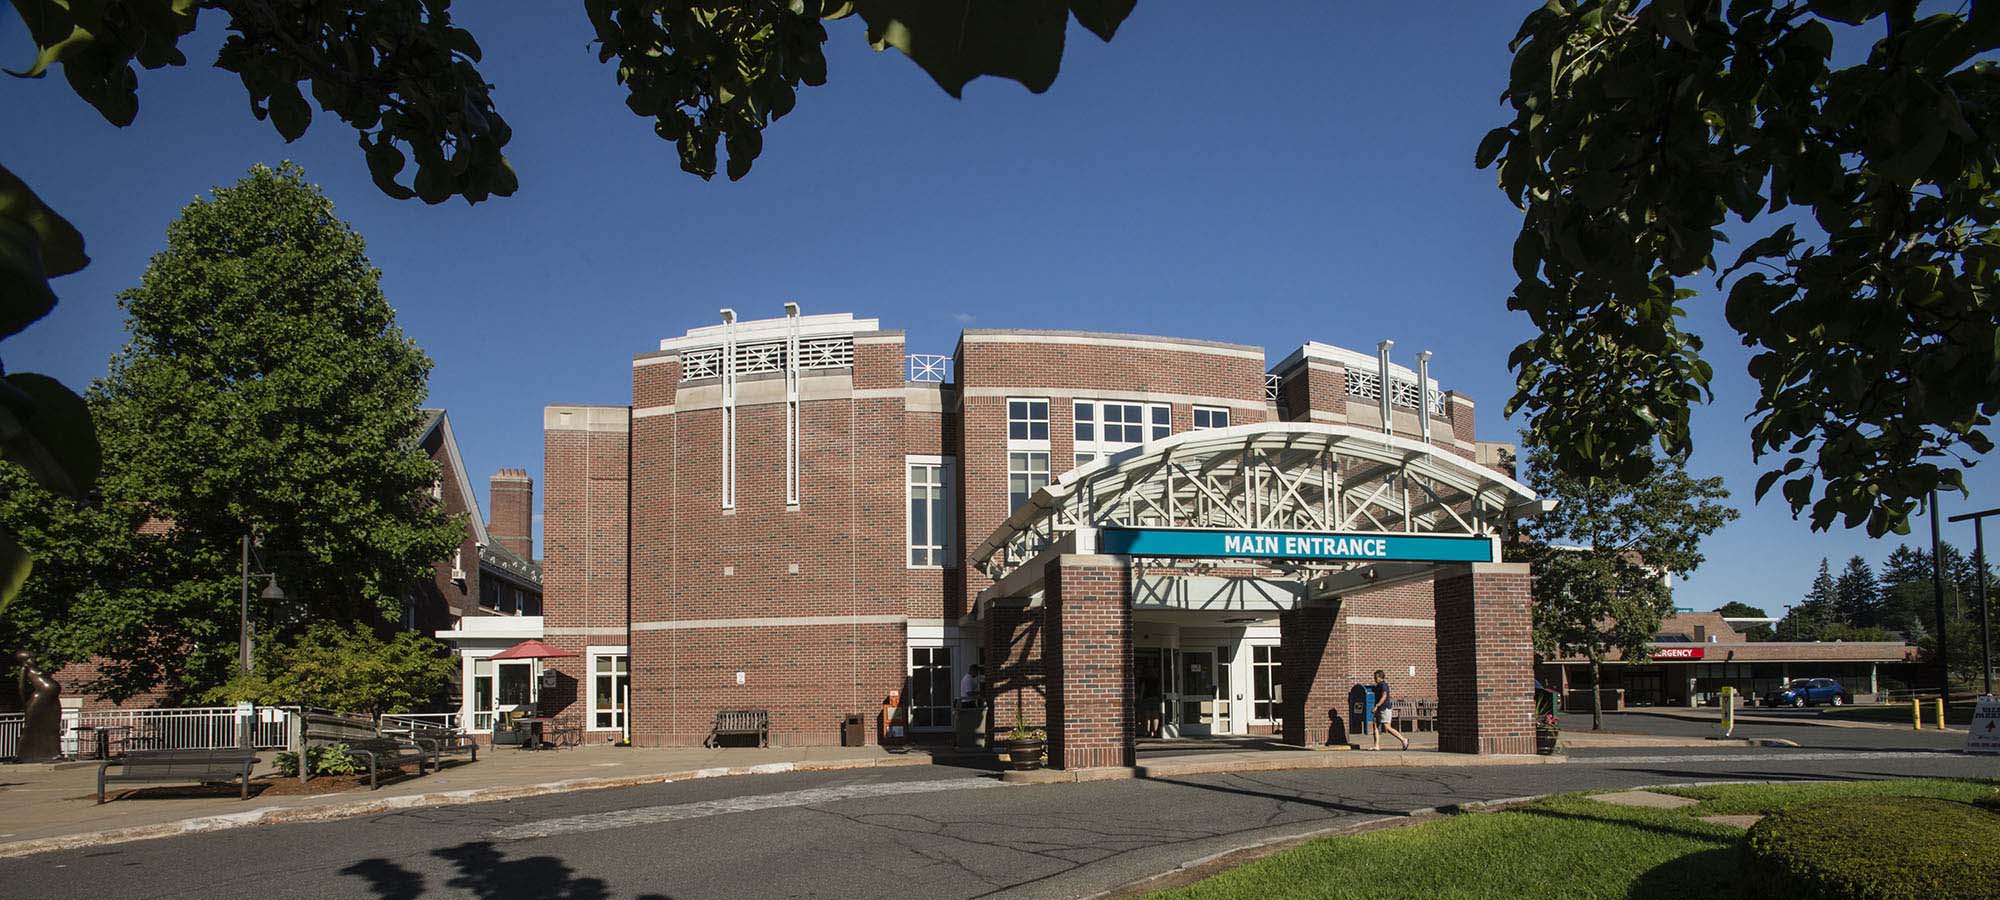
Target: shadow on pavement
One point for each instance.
(1710, 873)
(483, 871)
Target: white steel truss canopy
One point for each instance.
(1271, 476)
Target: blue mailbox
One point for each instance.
(1360, 708)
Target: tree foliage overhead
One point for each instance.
(406, 78)
(1641, 128)
(264, 389)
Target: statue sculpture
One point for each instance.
(41, 733)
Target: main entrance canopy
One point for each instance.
(1319, 500)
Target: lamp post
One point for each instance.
(271, 591)
(1978, 520)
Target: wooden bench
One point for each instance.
(198, 766)
(363, 739)
(748, 722)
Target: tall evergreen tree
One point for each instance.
(1857, 594)
(265, 390)
(1813, 613)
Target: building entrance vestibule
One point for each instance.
(1272, 521)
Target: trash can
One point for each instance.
(853, 730)
(966, 717)
(1360, 708)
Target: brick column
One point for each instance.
(1485, 659)
(1312, 665)
(1014, 667)
(1088, 606)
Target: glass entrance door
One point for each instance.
(1195, 699)
(1149, 673)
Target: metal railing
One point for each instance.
(188, 728)
(448, 720)
(10, 735)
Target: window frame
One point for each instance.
(1028, 473)
(944, 532)
(1155, 422)
(619, 714)
(1028, 420)
(1211, 412)
(1266, 678)
(950, 668)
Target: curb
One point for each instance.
(275, 815)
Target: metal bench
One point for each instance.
(741, 722)
(198, 766)
(440, 741)
(363, 739)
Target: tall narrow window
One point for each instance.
(1210, 417)
(610, 679)
(930, 522)
(1027, 472)
(1267, 690)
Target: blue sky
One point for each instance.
(1305, 172)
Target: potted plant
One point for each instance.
(1024, 747)
(1548, 729)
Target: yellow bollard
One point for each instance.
(1917, 713)
(1940, 712)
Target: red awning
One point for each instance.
(531, 649)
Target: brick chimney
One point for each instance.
(511, 525)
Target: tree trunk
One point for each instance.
(1596, 695)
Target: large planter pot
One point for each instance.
(1545, 742)
(1023, 755)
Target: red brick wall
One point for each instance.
(583, 531)
(1090, 704)
(1485, 659)
(1313, 664)
(441, 598)
(1396, 646)
(1016, 676)
(1048, 365)
(512, 498)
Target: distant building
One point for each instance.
(1696, 654)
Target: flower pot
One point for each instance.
(1545, 742)
(1023, 755)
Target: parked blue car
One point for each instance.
(1808, 691)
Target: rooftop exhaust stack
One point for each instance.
(1382, 366)
(1424, 395)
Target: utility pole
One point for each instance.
(1978, 520)
(1937, 589)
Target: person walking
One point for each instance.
(1384, 718)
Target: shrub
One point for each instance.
(1875, 848)
(327, 759)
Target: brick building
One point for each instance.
(796, 514)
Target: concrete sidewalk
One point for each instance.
(55, 807)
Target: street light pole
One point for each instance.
(1979, 590)
(243, 612)
(1937, 589)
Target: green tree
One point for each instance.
(1601, 557)
(1737, 609)
(350, 669)
(1813, 614)
(264, 389)
(1641, 128)
(1858, 596)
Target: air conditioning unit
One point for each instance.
(458, 567)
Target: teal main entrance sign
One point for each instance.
(1370, 545)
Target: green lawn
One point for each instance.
(1563, 846)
